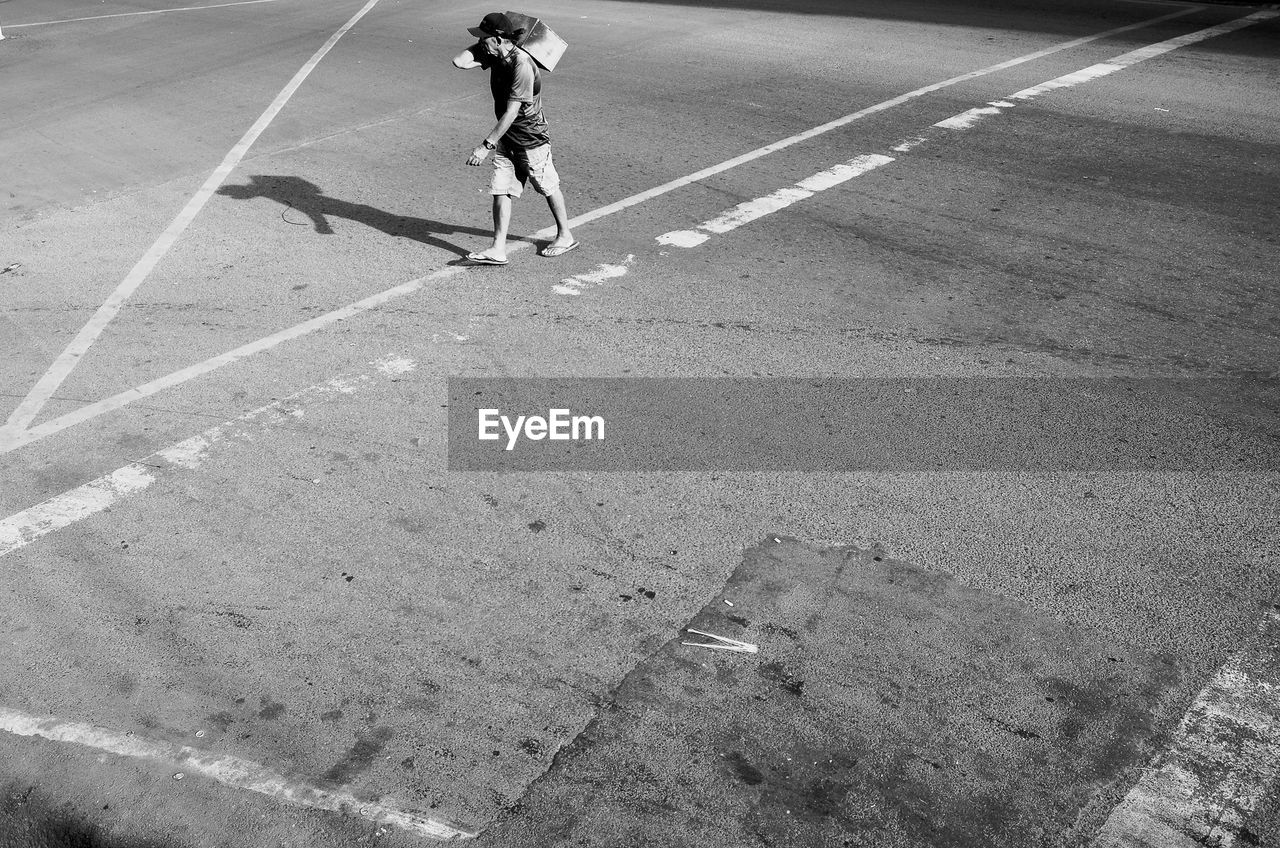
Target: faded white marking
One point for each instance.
(683, 238)
(752, 210)
(1083, 75)
(575, 284)
(70, 357)
(147, 12)
(967, 119)
(30, 524)
(97, 495)
(907, 144)
(395, 366)
(228, 770)
(1224, 757)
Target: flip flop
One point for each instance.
(553, 250)
(481, 259)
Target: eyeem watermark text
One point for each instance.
(557, 425)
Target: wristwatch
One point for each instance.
(488, 145)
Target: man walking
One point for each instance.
(520, 142)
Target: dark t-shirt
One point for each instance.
(516, 78)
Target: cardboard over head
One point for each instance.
(529, 34)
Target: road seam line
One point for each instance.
(24, 527)
(44, 389)
(229, 770)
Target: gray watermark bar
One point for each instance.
(863, 424)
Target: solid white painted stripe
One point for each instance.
(70, 357)
(752, 210)
(13, 437)
(93, 497)
(1224, 757)
(148, 12)
(228, 770)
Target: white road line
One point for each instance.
(25, 527)
(14, 435)
(749, 211)
(575, 284)
(752, 210)
(1224, 756)
(228, 770)
(148, 12)
(70, 357)
(862, 113)
(965, 120)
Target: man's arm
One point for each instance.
(504, 123)
(466, 60)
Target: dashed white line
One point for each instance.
(782, 198)
(751, 210)
(968, 118)
(862, 113)
(965, 120)
(1224, 757)
(93, 497)
(228, 770)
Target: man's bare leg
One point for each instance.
(501, 221)
(564, 236)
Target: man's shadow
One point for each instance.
(308, 200)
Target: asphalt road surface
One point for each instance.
(938, 343)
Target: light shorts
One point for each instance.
(512, 168)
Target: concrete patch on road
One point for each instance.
(888, 705)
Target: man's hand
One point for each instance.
(478, 155)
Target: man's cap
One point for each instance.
(494, 24)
